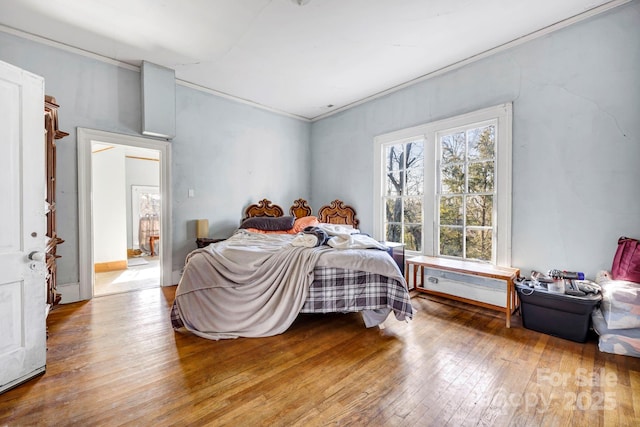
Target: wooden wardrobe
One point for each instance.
(52, 133)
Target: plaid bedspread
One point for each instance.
(337, 290)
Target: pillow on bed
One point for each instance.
(302, 223)
(266, 223)
(298, 225)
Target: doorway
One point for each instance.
(117, 175)
(126, 217)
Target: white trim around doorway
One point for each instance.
(85, 238)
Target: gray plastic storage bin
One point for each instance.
(560, 315)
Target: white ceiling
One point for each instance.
(306, 61)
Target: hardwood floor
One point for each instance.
(116, 361)
(144, 274)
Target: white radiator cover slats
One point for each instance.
(478, 288)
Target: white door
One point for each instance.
(22, 227)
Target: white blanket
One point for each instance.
(306, 240)
(337, 229)
(355, 241)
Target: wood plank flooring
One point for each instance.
(116, 361)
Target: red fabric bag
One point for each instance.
(626, 262)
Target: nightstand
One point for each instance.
(396, 250)
(205, 241)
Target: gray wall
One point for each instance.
(230, 153)
(576, 138)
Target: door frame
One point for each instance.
(85, 207)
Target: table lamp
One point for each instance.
(202, 228)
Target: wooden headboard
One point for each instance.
(335, 213)
(263, 208)
(338, 213)
(300, 208)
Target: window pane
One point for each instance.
(393, 210)
(481, 143)
(451, 241)
(451, 210)
(452, 147)
(394, 155)
(479, 244)
(393, 184)
(413, 210)
(452, 179)
(415, 155)
(479, 210)
(149, 204)
(393, 233)
(414, 182)
(481, 176)
(413, 238)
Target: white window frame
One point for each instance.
(502, 114)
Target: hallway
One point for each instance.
(142, 273)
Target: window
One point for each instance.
(444, 188)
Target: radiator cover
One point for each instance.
(478, 288)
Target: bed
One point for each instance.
(276, 266)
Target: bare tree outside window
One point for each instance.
(403, 192)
